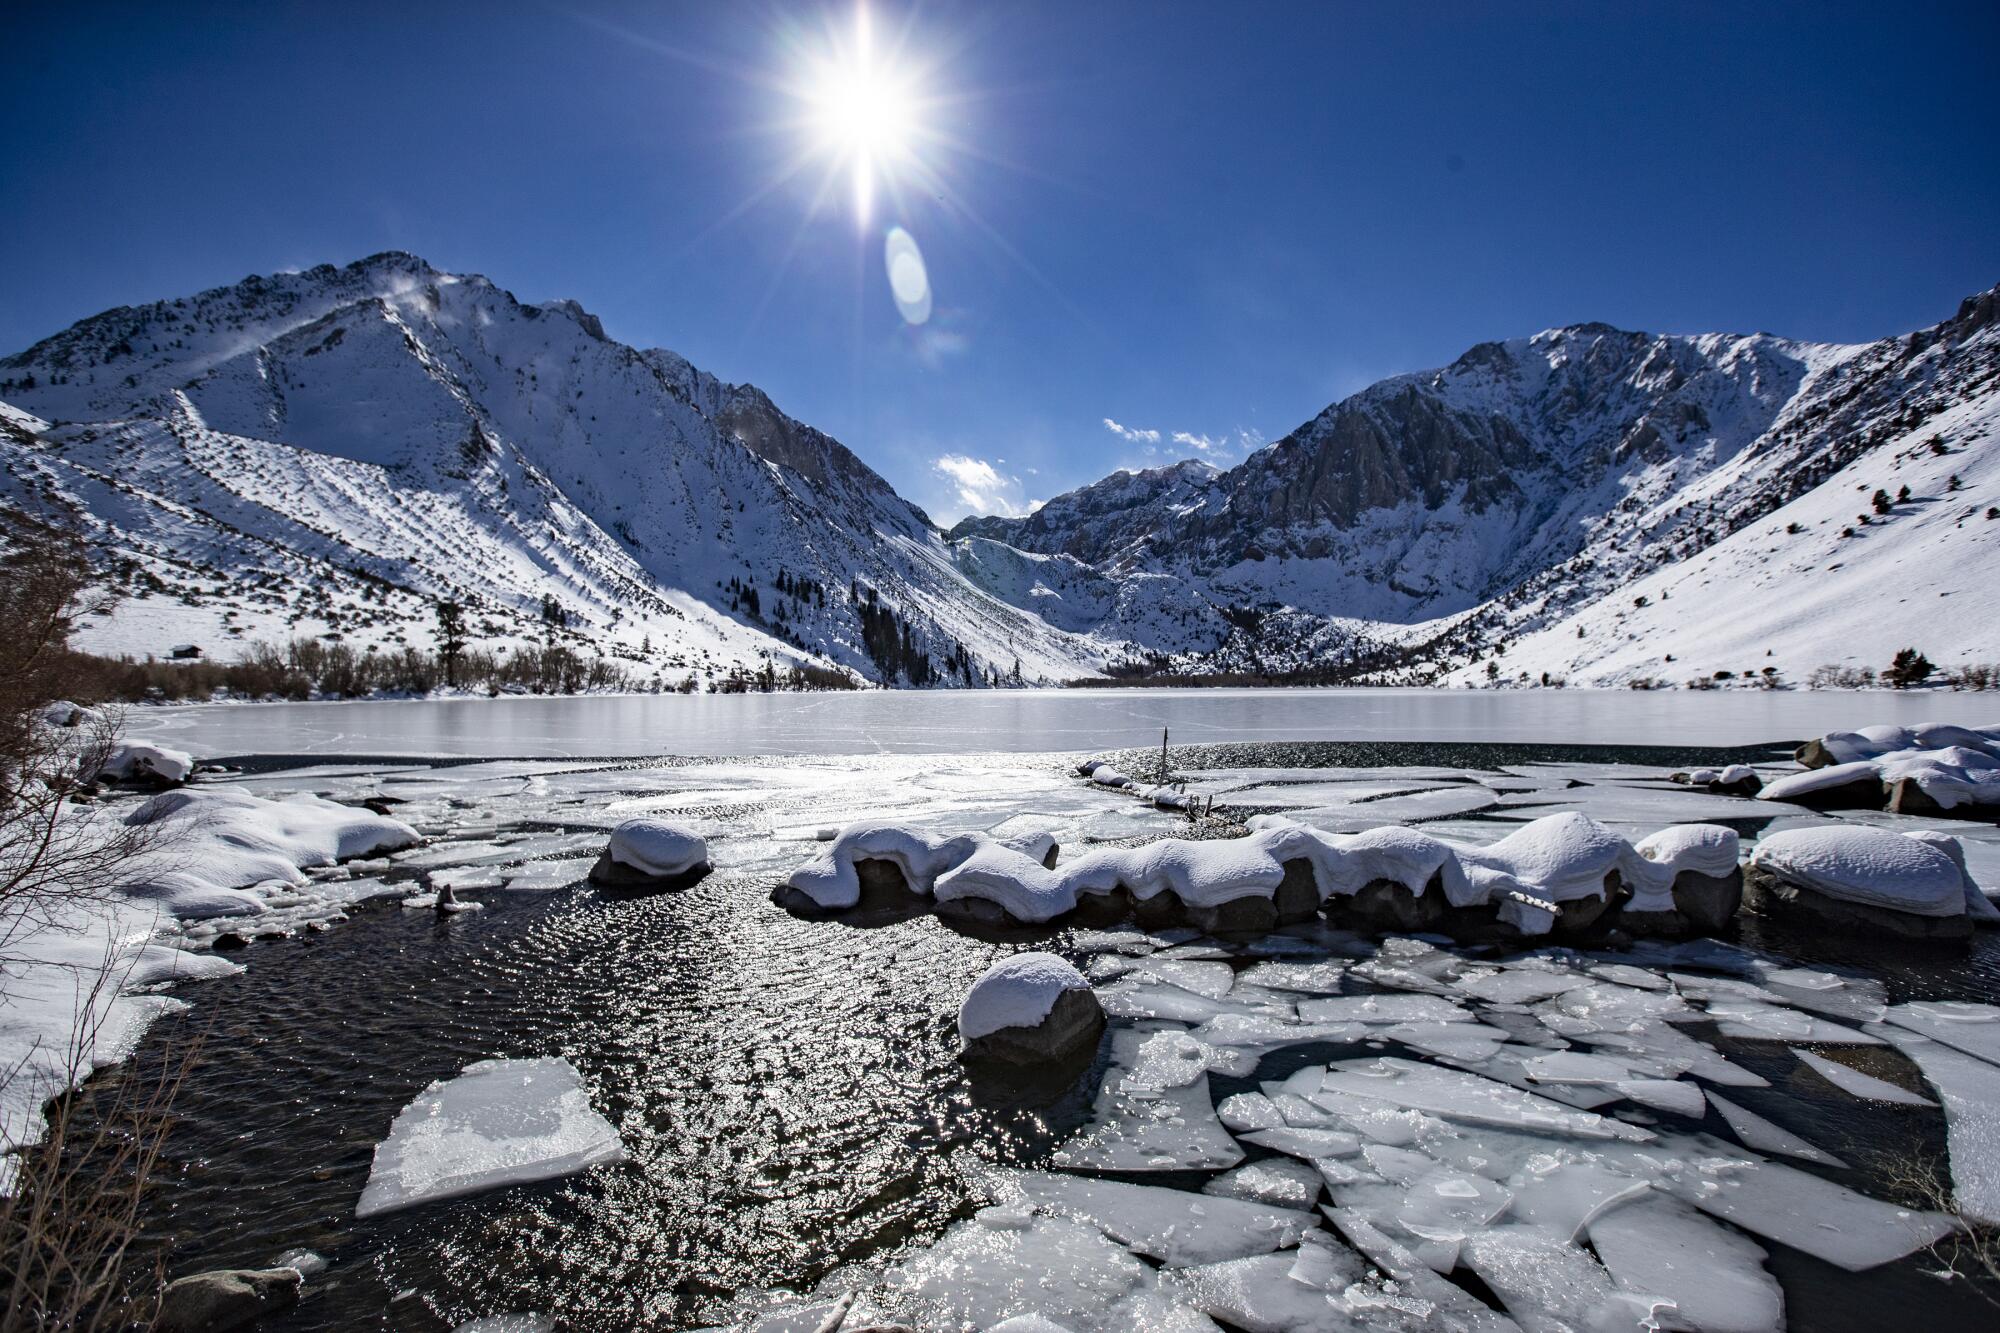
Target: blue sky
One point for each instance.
(1188, 219)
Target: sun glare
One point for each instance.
(862, 109)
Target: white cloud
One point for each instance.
(1132, 433)
(983, 489)
(1200, 443)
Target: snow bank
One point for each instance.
(501, 1122)
(657, 847)
(1016, 992)
(211, 847)
(142, 761)
(1866, 865)
(57, 1029)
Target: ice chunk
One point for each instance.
(1806, 1212)
(1149, 1128)
(1176, 1227)
(1277, 1181)
(1664, 1094)
(978, 1274)
(1456, 1095)
(1714, 1277)
(1016, 992)
(1752, 1020)
(1548, 1284)
(1576, 1067)
(501, 1122)
(1382, 1009)
(1203, 978)
(1970, 1090)
(1250, 1110)
(1857, 1084)
(1446, 1305)
(1309, 1145)
(1260, 1295)
(1767, 1136)
(1518, 985)
(1959, 1024)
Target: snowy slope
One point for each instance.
(1538, 487)
(333, 451)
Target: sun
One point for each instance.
(863, 111)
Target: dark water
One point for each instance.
(789, 1092)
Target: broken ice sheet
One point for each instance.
(1278, 1181)
(1802, 1210)
(1714, 1276)
(1969, 1087)
(500, 1122)
(1177, 1227)
(1767, 1136)
(1141, 1128)
(1261, 1295)
(1002, 1264)
(1857, 1084)
(1456, 1095)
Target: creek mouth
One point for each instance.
(789, 1092)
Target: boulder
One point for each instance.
(1297, 896)
(1908, 798)
(1814, 754)
(226, 1298)
(1862, 879)
(1784, 897)
(1030, 1009)
(1252, 914)
(1862, 793)
(1708, 903)
(1384, 905)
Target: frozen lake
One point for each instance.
(940, 722)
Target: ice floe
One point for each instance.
(500, 1122)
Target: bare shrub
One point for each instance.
(71, 1215)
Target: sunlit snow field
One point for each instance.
(1579, 1137)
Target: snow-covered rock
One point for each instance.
(653, 852)
(1869, 877)
(144, 761)
(1030, 1008)
(1933, 769)
(1562, 866)
(500, 1122)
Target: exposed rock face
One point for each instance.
(1703, 905)
(226, 1299)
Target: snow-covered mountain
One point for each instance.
(332, 452)
(1543, 501)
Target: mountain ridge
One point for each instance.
(335, 450)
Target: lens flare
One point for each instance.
(909, 280)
